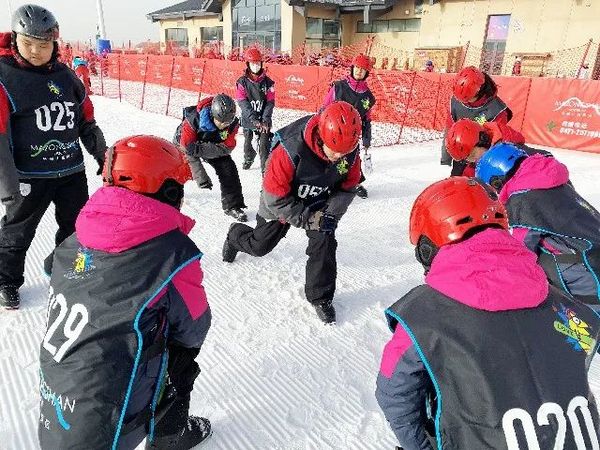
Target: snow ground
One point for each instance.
(273, 377)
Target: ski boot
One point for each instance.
(229, 253)
(9, 297)
(361, 191)
(247, 163)
(249, 156)
(325, 312)
(237, 213)
(196, 431)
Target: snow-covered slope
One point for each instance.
(273, 377)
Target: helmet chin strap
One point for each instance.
(110, 153)
(425, 252)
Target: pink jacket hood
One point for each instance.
(116, 219)
(535, 172)
(491, 271)
(357, 85)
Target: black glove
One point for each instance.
(206, 185)
(323, 222)
(264, 127)
(100, 166)
(7, 201)
(328, 223)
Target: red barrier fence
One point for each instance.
(411, 106)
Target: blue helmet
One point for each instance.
(77, 61)
(493, 166)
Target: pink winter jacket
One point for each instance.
(462, 272)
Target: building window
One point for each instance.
(384, 26)
(257, 21)
(211, 34)
(322, 32)
(177, 36)
(419, 6)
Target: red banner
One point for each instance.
(514, 91)
(188, 74)
(564, 113)
(303, 89)
(561, 113)
(133, 67)
(160, 69)
(220, 76)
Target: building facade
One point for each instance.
(528, 29)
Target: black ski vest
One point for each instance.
(480, 114)
(44, 121)
(315, 178)
(561, 213)
(363, 102)
(257, 97)
(499, 376)
(93, 349)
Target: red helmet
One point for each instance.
(362, 61)
(462, 138)
(253, 55)
(340, 127)
(467, 83)
(143, 163)
(446, 210)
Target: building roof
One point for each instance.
(186, 10)
(345, 3)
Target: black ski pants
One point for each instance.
(229, 179)
(264, 146)
(321, 266)
(22, 218)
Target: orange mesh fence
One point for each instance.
(411, 106)
(576, 62)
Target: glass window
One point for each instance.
(314, 27)
(412, 24)
(278, 17)
(380, 26)
(177, 35)
(256, 21)
(397, 25)
(498, 28)
(211, 34)
(419, 6)
(362, 27)
(331, 28)
(246, 19)
(265, 18)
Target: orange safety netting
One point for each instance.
(411, 106)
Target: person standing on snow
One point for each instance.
(476, 98)
(207, 133)
(467, 140)
(309, 183)
(480, 358)
(80, 67)
(549, 216)
(354, 90)
(127, 313)
(44, 112)
(255, 94)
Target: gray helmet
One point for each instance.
(223, 108)
(35, 21)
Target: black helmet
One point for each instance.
(35, 21)
(223, 108)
